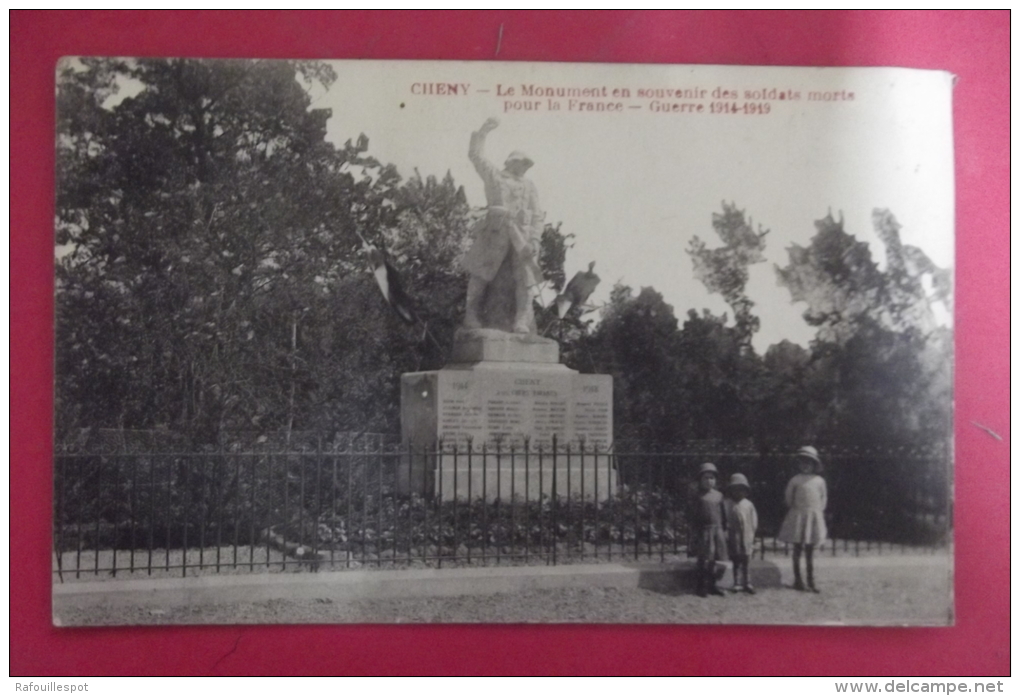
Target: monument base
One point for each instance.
(492, 345)
(503, 429)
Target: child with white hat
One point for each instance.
(742, 526)
(804, 525)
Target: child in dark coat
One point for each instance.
(707, 517)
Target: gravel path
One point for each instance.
(889, 596)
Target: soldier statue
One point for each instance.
(506, 238)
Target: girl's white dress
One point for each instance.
(743, 523)
(806, 497)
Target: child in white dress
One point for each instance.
(741, 528)
(804, 525)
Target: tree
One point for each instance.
(573, 329)
(724, 270)
(208, 226)
(789, 412)
(636, 343)
(552, 255)
(431, 236)
(836, 277)
(720, 379)
(883, 359)
(907, 268)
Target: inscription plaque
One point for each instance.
(511, 410)
(493, 416)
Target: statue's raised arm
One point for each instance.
(476, 151)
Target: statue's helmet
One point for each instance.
(519, 156)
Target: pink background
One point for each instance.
(973, 45)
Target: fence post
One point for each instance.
(99, 509)
(637, 521)
(570, 493)
(661, 508)
(318, 502)
(349, 511)
(152, 507)
(186, 494)
(270, 459)
(60, 471)
(364, 504)
(595, 488)
(332, 507)
(221, 469)
(527, 498)
(669, 488)
(470, 496)
(543, 533)
(613, 496)
(439, 504)
(499, 498)
(204, 499)
(513, 498)
(58, 512)
(237, 503)
(484, 501)
(134, 505)
(116, 530)
(379, 467)
(570, 501)
(456, 534)
(169, 510)
(555, 501)
(410, 497)
(583, 496)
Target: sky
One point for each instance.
(634, 186)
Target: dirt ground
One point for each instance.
(893, 595)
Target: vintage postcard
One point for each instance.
(502, 342)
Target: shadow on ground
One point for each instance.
(682, 578)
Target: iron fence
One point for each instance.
(372, 504)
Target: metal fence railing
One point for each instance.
(353, 504)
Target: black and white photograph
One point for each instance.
(420, 341)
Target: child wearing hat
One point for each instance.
(708, 529)
(742, 526)
(804, 525)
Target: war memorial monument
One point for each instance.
(508, 418)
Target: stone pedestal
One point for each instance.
(472, 346)
(498, 416)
